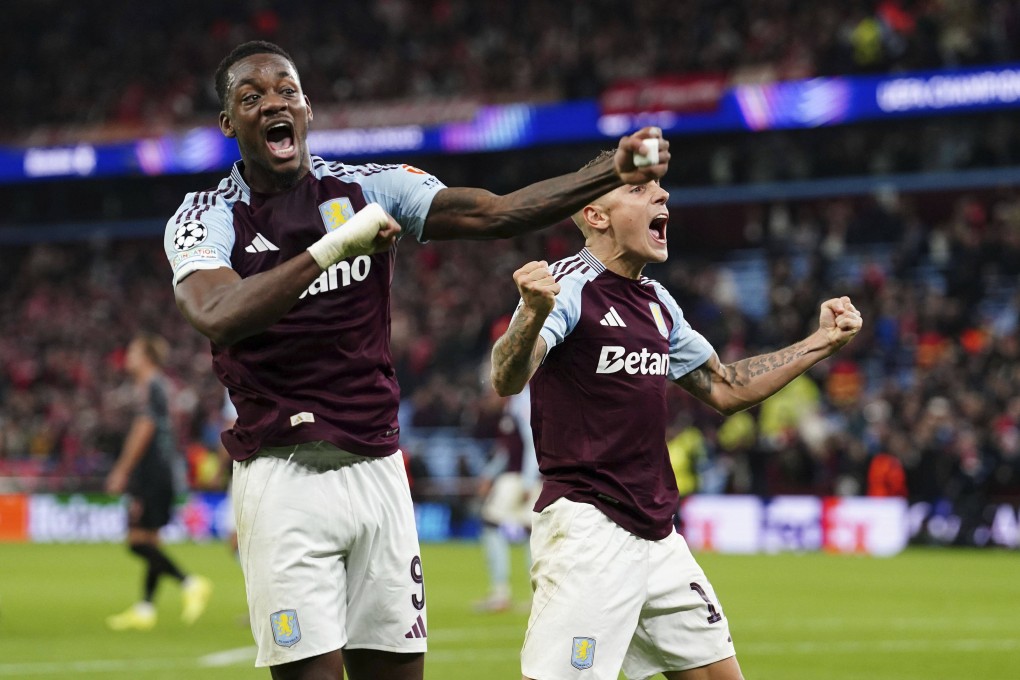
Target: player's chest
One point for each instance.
(624, 334)
(273, 229)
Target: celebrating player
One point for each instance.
(145, 471)
(286, 268)
(615, 586)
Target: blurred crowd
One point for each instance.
(132, 64)
(924, 404)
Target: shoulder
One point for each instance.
(576, 270)
(664, 297)
(360, 173)
(211, 205)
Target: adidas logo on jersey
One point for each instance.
(340, 275)
(612, 318)
(260, 244)
(614, 359)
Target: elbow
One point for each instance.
(220, 332)
(504, 387)
(730, 408)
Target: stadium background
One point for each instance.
(867, 148)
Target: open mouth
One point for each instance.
(280, 140)
(658, 228)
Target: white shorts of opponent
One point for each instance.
(606, 599)
(329, 550)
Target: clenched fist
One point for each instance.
(537, 286)
(840, 321)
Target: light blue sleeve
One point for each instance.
(404, 191)
(565, 313)
(688, 348)
(204, 241)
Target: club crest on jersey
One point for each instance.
(335, 212)
(582, 654)
(660, 320)
(286, 630)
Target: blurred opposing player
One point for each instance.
(510, 487)
(146, 471)
(286, 267)
(615, 586)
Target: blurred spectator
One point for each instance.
(923, 404)
(128, 65)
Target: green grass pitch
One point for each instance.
(923, 615)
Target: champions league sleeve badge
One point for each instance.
(582, 654)
(189, 235)
(286, 630)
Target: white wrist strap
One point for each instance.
(353, 238)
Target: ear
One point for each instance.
(308, 108)
(226, 125)
(595, 217)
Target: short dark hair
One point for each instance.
(237, 54)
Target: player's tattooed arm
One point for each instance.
(729, 388)
(517, 355)
(519, 352)
(462, 212)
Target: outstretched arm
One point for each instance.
(519, 352)
(460, 212)
(729, 388)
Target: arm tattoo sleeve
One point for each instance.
(517, 354)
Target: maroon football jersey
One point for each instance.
(599, 411)
(324, 371)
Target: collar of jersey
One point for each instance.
(238, 176)
(592, 261)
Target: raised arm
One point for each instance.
(520, 350)
(226, 308)
(729, 388)
(460, 212)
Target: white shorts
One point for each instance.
(506, 502)
(328, 547)
(606, 599)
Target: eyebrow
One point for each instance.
(253, 82)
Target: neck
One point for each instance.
(616, 260)
(144, 374)
(264, 180)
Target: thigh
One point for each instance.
(589, 578)
(151, 500)
(372, 664)
(292, 533)
(727, 669)
(385, 576)
(682, 626)
(504, 499)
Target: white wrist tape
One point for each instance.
(353, 238)
(650, 158)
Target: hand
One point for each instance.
(840, 321)
(387, 235)
(623, 162)
(116, 481)
(537, 286)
